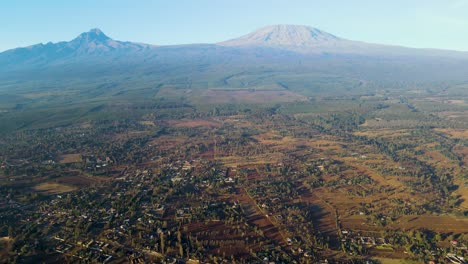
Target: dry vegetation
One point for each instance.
(70, 158)
(249, 96)
(54, 188)
(190, 123)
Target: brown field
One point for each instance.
(462, 191)
(327, 145)
(385, 133)
(237, 245)
(442, 224)
(463, 151)
(257, 217)
(81, 180)
(324, 213)
(69, 183)
(289, 143)
(70, 158)
(455, 133)
(453, 114)
(238, 121)
(362, 169)
(455, 101)
(235, 161)
(249, 96)
(358, 223)
(388, 260)
(168, 142)
(271, 138)
(194, 123)
(438, 159)
(441, 100)
(54, 188)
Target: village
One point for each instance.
(260, 196)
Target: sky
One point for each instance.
(439, 24)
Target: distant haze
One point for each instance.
(418, 23)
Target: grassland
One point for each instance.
(53, 188)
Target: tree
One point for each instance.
(11, 232)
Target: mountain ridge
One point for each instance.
(276, 47)
(280, 35)
(88, 44)
(284, 35)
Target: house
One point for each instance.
(186, 166)
(229, 180)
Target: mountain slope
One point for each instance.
(284, 50)
(87, 45)
(96, 42)
(93, 69)
(305, 39)
(285, 35)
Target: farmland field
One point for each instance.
(53, 188)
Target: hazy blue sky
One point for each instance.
(414, 23)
